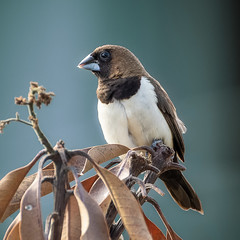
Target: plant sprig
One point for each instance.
(37, 96)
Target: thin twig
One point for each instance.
(41, 137)
(156, 189)
(7, 121)
(140, 183)
(3, 123)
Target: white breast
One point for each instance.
(136, 121)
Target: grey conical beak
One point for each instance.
(89, 63)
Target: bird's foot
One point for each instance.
(156, 144)
(163, 158)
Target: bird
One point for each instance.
(134, 110)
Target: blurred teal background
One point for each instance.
(189, 46)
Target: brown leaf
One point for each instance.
(31, 226)
(78, 162)
(104, 205)
(156, 233)
(104, 153)
(13, 232)
(99, 191)
(171, 235)
(72, 222)
(126, 204)
(10, 183)
(87, 183)
(93, 224)
(14, 205)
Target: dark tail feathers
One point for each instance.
(181, 191)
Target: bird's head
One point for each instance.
(112, 62)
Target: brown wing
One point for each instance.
(168, 110)
(178, 186)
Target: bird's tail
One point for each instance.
(181, 190)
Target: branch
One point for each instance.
(54, 222)
(3, 123)
(34, 88)
(37, 96)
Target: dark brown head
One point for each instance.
(113, 62)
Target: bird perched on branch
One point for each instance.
(134, 110)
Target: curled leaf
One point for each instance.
(88, 183)
(155, 232)
(14, 205)
(171, 235)
(72, 222)
(93, 224)
(99, 191)
(30, 210)
(10, 183)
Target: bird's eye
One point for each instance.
(105, 55)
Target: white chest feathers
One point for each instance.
(135, 121)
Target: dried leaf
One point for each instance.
(31, 226)
(10, 183)
(87, 183)
(93, 223)
(170, 232)
(14, 205)
(13, 232)
(175, 237)
(99, 191)
(78, 162)
(155, 232)
(125, 203)
(72, 222)
(10, 210)
(104, 205)
(104, 153)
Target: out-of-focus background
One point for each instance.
(189, 46)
